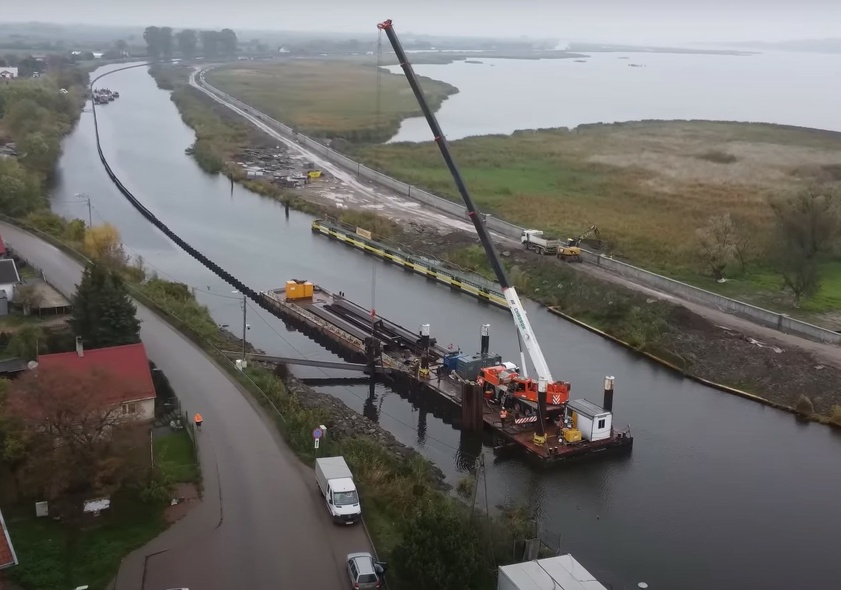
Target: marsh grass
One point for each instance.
(329, 98)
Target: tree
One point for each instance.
(152, 36)
(228, 42)
(717, 243)
(26, 343)
(808, 226)
(209, 43)
(29, 298)
(166, 42)
(121, 46)
(20, 191)
(103, 314)
(77, 443)
(439, 551)
(188, 42)
(102, 243)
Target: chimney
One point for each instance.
(608, 394)
(486, 339)
(80, 350)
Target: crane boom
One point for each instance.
(514, 304)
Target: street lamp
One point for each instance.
(245, 326)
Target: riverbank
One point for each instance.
(330, 99)
(671, 332)
(36, 115)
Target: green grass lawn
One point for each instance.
(53, 558)
(175, 457)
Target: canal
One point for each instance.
(719, 491)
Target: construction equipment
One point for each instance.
(503, 383)
(571, 251)
(533, 239)
(524, 329)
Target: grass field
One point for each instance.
(175, 457)
(647, 185)
(328, 98)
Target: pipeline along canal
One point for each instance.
(719, 491)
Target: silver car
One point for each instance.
(365, 573)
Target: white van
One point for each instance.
(335, 481)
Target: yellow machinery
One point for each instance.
(570, 252)
(298, 290)
(571, 435)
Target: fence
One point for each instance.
(771, 319)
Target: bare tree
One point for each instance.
(717, 243)
(808, 226)
(29, 298)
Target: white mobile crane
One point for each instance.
(544, 376)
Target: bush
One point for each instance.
(835, 415)
(804, 406)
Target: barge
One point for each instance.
(573, 429)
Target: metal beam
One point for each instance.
(266, 358)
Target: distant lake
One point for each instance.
(503, 95)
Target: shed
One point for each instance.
(595, 423)
(9, 277)
(10, 368)
(562, 571)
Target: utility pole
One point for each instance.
(244, 324)
(84, 197)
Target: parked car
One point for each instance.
(365, 572)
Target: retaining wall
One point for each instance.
(761, 316)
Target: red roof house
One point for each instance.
(128, 362)
(7, 552)
(2, 248)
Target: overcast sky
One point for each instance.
(631, 21)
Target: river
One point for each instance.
(719, 491)
(501, 96)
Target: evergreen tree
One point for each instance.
(103, 313)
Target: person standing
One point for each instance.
(198, 419)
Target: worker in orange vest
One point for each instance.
(503, 414)
(198, 420)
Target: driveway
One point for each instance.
(262, 524)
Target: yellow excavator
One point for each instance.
(571, 250)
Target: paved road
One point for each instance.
(261, 524)
(827, 353)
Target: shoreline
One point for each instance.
(698, 345)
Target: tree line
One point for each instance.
(163, 43)
(806, 232)
(35, 115)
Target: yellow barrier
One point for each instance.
(443, 277)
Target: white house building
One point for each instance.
(8, 72)
(9, 278)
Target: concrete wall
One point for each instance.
(756, 314)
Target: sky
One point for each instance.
(615, 21)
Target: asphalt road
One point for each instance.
(262, 524)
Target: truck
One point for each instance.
(533, 239)
(335, 482)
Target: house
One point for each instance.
(7, 551)
(8, 72)
(9, 278)
(128, 362)
(3, 252)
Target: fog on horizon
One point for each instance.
(609, 21)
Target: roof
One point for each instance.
(12, 365)
(562, 571)
(11, 70)
(7, 552)
(2, 246)
(129, 362)
(582, 406)
(8, 272)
